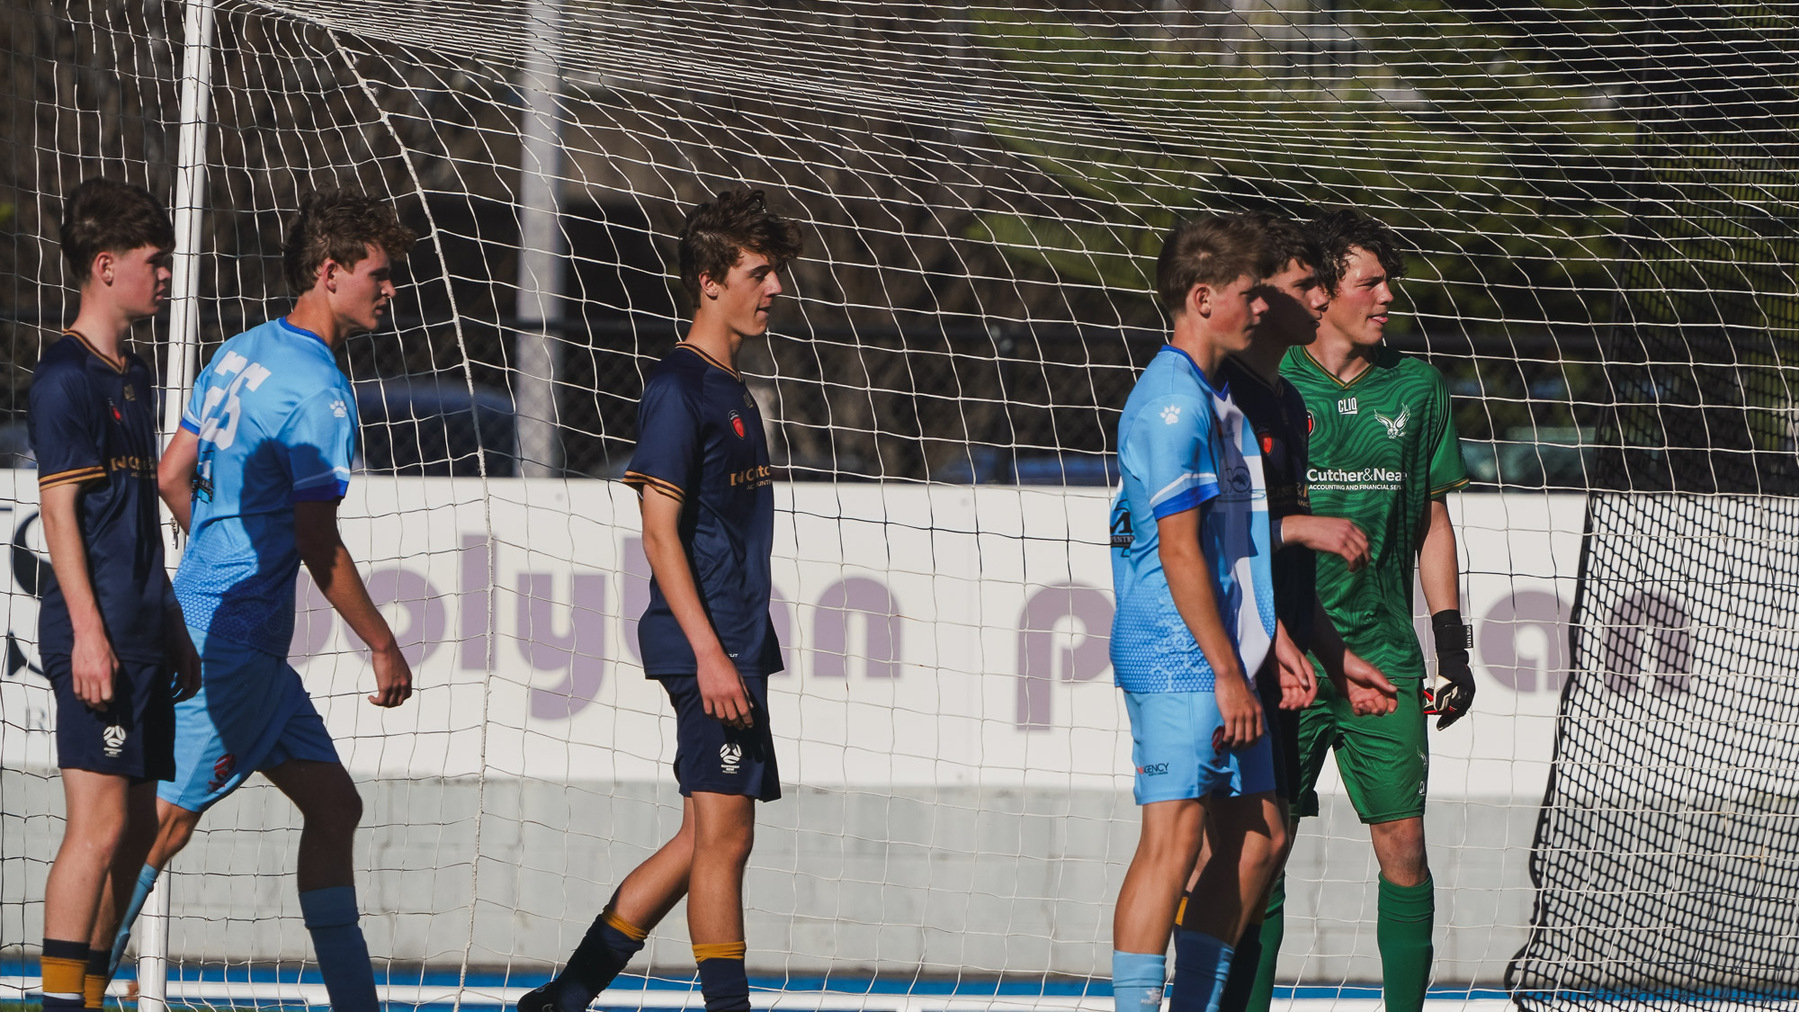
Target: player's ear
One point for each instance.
(709, 287)
(102, 267)
(1199, 299)
(328, 274)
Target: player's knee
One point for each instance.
(1170, 849)
(338, 814)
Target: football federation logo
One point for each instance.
(222, 770)
(730, 756)
(1395, 426)
(737, 425)
(114, 740)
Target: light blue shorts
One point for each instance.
(1172, 735)
(251, 713)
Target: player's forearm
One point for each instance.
(674, 577)
(1327, 642)
(1438, 571)
(175, 476)
(335, 573)
(68, 560)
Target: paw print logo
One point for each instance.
(1171, 414)
(340, 409)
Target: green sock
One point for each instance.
(1407, 914)
(1274, 929)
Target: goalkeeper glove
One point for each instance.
(1454, 692)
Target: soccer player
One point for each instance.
(109, 631)
(703, 479)
(1273, 408)
(1194, 620)
(255, 475)
(1384, 453)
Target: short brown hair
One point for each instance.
(339, 225)
(717, 234)
(1283, 241)
(107, 216)
(1212, 250)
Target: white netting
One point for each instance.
(1601, 200)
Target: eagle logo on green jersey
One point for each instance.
(1395, 426)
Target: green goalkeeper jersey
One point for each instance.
(1382, 447)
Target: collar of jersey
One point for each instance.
(1322, 371)
(302, 331)
(709, 359)
(1198, 373)
(119, 367)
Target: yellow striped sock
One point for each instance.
(703, 951)
(62, 977)
(624, 927)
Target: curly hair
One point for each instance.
(716, 235)
(1343, 229)
(107, 216)
(1214, 250)
(339, 225)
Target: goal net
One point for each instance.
(1600, 205)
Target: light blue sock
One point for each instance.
(1201, 966)
(1137, 980)
(146, 880)
(331, 916)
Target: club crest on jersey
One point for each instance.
(130, 392)
(737, 425)
(1347, 406)
(1395, 426)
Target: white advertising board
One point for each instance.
(934, 635)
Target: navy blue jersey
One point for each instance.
(700, 440)
(1278, 414)
(91, 422)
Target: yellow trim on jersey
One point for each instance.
(118, 366)
(695, 349)
(78, 475)
(1446, 489)
(667, 488)
(1322, 371)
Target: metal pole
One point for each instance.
(183, 353)
(540, 246)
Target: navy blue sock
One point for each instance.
(722, 981)
(609, 944)
(1201, 963)
(331, 918)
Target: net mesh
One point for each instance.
(1600, 200)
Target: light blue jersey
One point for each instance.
(1182, 446)
(277, 425)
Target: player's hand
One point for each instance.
(1368, 691)
(1299, 686)
(183, 661)
(1241, 710)
(92, 669)
(722, 691)
(1454, 692)
(393, 677)
(1334, 535)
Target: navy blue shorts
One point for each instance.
(133, 737)
(715, 759)
(1283, 730)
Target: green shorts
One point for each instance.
(1384, 761)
